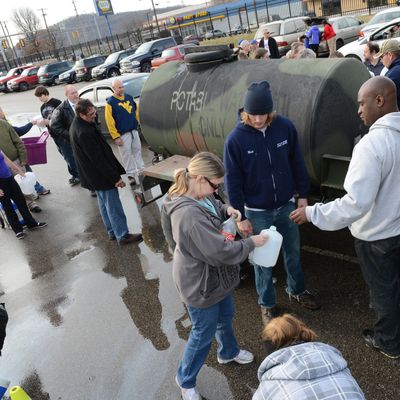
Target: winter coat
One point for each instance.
(206, 266)
(61, 120)
(11, 144)
(370, 207)
(273, 47)
(307, 371)
(98, 168)
(394, 75)
(313, 34)
(264, 170)
(329, 32)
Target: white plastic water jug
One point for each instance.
(267, 255)
(27, 182)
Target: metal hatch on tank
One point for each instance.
(192, 105)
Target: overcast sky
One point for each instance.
(57, 10)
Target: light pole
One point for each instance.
(155, 16)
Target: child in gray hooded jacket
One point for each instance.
(206, 265)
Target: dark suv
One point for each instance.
(111, 66)
(48, 74)
(83, 68)
(141, 60)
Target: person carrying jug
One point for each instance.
(205, 265)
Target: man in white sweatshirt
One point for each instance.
(371, 210)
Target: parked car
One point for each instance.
(141, 60)
(49, 73)
(111, 66)
(192, 39)
(99, 92)
(84, 67)
(379, 20)
(171, 54)
(26, 80)
(356, 49)
(68, 76)
(238, 30)
(11, 74)
(214, 33)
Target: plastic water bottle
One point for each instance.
(267, 255)
(228, 228)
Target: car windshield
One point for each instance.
(112, 58)
(144, 48)
(25, 72)
(168, 53)
(10, 72)
(385, 17)
(134, 87)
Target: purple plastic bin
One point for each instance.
(36, 148)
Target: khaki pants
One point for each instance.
(332, 46)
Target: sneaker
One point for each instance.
(268, 313)
(36, 209)
(188, 394)
(44, 192)
(112, 237)
(368, 336)
(38, 226)
(244, 357)
(132, 180)
(131, 238)
(73, 181)
(307, 299)
(20, 235)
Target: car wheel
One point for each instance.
(23, 86)
(353, 56)
(339, 43)
(146, 67)
(56, 80)
(113, 73)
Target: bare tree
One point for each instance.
(27, 21)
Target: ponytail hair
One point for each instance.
(286, 330)
(204, 164)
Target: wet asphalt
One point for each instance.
(92, 320)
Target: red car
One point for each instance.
(11, 74)
(27, 79)
(171, 54)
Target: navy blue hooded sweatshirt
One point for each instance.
(264, 171)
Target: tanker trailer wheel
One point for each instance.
(339, 43)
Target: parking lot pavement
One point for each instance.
(91, 320)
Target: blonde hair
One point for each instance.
(245, 117)
(286, 330)
(204, 164)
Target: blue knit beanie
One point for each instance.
(258, 99)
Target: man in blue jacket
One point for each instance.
(390, 54)
(264, 171)
(313, 35)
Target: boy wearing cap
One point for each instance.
(264, 170)
(390, 54)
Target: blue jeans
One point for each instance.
(380, 265)
(65, 150)
(207, 323)
(291, 253)
(112, 213)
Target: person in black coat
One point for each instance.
(61, 120)
(100, 170)
(269, 43)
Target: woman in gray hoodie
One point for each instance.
(206, 265)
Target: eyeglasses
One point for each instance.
(213, 185)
